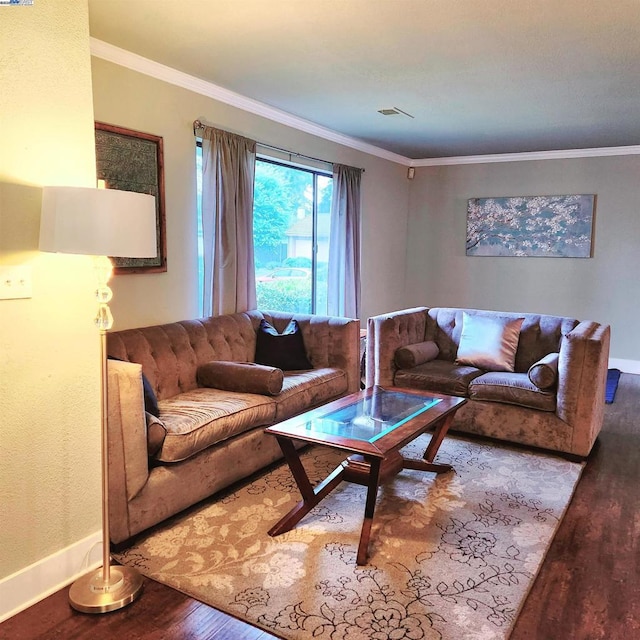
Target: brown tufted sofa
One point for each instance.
(213, 437)
(504, 405)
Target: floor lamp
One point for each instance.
(101, 223)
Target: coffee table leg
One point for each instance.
(372, 494)
(310, 496)
(438, 436)
(436, 440)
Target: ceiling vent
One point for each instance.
(394, 111)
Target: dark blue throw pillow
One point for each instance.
(284, 350)
(150, 400)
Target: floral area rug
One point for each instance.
(451, 556)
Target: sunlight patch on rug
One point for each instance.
(451, 557)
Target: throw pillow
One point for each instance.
(150, 400)
(414, 354)
(544, 373)
(489, 342)
(243, 377)
(284, 350)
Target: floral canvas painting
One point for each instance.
(539, 226)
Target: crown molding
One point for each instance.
(559, 154)
(133, 61)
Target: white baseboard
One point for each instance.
(626, 366)
(39, 580)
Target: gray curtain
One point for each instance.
(344, 244)
(228, 170)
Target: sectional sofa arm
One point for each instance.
(127, 429)
(385, 334)
(582, 376)
(333, 342)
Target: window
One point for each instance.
(291, 222)
(291, 213)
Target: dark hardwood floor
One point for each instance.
(588, 587)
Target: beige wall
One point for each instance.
(49, 404)
(605, 288)
(130, 99)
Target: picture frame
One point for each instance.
(556, 226)
(133, 161)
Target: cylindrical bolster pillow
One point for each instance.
(244, 377)
(156, 432)
(544, 373)
(414, 354)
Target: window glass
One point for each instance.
(324, 192)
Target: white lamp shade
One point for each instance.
(101, 222)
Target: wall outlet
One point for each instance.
(15, 282)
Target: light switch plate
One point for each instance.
(15, 282)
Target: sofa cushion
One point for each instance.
(245, 377)
(307, 389)
(511, 388)
(489, 342)
(203, 417)
(415, 354)
(544, 373)
(284, 350)
(440, 376)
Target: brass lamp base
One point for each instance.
(91, 594)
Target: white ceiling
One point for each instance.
(478, 76)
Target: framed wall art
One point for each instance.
(537, 226)
(133, 161)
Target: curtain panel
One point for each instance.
(344, 245)
(228, 170)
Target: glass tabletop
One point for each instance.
(370, 418)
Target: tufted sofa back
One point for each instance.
(539, 335)
(170, 354)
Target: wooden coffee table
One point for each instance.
(373, 424)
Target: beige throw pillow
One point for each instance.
(243, 377)
(544, 373)
(414, 354)
(489, 342)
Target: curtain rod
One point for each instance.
(198, 125)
